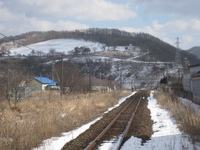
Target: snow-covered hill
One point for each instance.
(122, 63)
(158, 50)
(67, 45)
(60, 45)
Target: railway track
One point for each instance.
(117, 128)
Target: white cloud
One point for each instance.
(174, 26)
(1, 27)
(130, 29)
(69, 25)
(167, 40)
(195, 23)
(151, 30)
(5, 13)
(79, 9)
(187, 30)
(27, 15)
(188, 41)
(187, 38)
(181, 8)
(21, 24)
(15, 22)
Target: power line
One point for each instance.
(18, 42)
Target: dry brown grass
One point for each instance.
(186, 117)
(44, 115)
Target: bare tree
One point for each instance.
(12, 84)
(52, 51)
(72, 78)
(4, 51)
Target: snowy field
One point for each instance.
(67, 45)
(166, 135)
(63, 45)
(60, 45)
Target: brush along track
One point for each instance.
(113, 131)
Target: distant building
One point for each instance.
(191, 81)
(101, 88)
(43, 83)
(187, 76)
(134, 50)
(195, 87)
(131, 47)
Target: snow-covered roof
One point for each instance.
(45, 80)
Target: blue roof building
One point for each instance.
(45, 80)
(42, 83)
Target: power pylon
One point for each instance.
(178, 64)
(178, 54)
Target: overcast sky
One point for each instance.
(165, 19)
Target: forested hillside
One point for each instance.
(158, 49)
(195, 51)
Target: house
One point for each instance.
(101, 88)
(43, 83)
(195, 86)
(187, 76)
(191, 81)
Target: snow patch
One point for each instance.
(56, 143)
(60, 45)
(166, 134)
(190, 104)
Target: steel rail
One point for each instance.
(129, 124)
(93, 143)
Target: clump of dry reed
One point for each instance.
(186, 117)
(44, 115)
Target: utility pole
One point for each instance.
(52, 71)
(61, 81)
(100, 81)
(90, 83)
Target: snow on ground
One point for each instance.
(60, 45)
(102, 58)
(189, 103)
(56, 143)
(166, 134)
(66, 45)
(119, 48)
(94, 58)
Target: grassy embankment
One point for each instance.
(186, 117)
(44, 115)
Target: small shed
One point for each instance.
(42, 83)
(100, 88)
